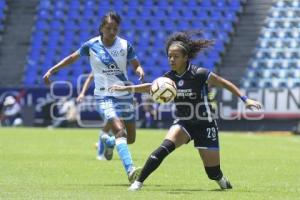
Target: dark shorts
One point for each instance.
(204, 133)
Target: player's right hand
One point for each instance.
(46, 77)
(253, 105)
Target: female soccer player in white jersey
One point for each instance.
(108, 55)
(105, 152)
(192, 91)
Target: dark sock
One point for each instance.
(156, 158)
(214, 172)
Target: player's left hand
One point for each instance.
(140, 72)
(80, 98)
(252, 104)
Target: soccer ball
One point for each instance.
(163, 90)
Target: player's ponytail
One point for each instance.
(188, 45)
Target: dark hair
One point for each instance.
(190, 47)
(112, 15)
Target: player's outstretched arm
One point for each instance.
(85, 87)
(141, 88)
(218, 81)
(64, 62)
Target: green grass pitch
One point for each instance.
(60, 164)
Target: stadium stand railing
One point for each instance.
(61, 26)
(276, 60)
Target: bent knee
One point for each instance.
(120, 133)
(130, 140)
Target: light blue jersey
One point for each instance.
(109, 64)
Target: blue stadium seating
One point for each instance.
(276, 60)
(3, 8)
(61, 26)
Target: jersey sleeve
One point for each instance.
(203, 74)
(130, 52)
(84, 49)
(168, 75)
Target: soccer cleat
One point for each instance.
(224, 183)
(135, 186)
(100, 152)
(134, 174)
(108, 153)
(100, 157)
(108, 146)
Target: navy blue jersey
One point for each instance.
(192, 102)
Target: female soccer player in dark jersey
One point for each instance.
(194, 119)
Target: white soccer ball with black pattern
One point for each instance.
(163, 90)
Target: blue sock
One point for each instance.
(124, 154)
(100, 149)
(111, 141)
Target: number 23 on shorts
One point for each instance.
(211, 133)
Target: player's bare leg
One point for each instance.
(106, 152)
(211, 161)
(118, 128)
(131, 132)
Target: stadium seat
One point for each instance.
(3, 9)
(146, 24)
(276, 56)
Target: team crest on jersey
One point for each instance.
(117, 53)
(122, 52)
(180, 83)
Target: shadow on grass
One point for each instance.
(125, 184)
(188, 191)
(116, 185)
